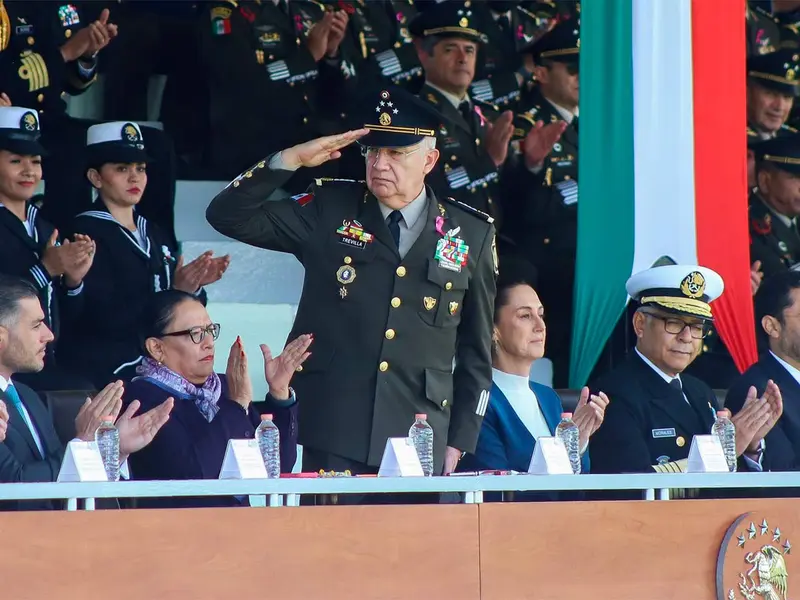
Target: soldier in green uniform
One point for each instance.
(472, 139)
(772, 84)
(763, 29)
(546, 213)
(398, 291)
(775, 205)
(266, 62)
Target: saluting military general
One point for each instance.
(398, 291)
(655, 408)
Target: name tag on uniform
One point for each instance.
(666, 432)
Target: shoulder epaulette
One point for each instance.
(327, 180)
(788, 128)
(527, 117)
(474, 211)
(766, 13)
(234, 3)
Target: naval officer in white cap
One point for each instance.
(655, 409)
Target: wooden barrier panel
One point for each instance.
(619, 550)
(309, 553)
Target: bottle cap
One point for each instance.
(566, 415)
(421, 416)
(722, 413)
(266, 417)
(108, 419)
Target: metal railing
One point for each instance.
(286, 492)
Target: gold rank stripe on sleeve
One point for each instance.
(33, 70)
(675, 466)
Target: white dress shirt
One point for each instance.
(789, 368)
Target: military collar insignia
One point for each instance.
(352, 234)
(762, 226)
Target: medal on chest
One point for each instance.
(452, 252)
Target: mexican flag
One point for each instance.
(663, 160)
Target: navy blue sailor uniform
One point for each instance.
(394, 335)
(129, 267)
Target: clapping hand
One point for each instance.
(756, 276)
(318, 37)
(757, 417)
(80, 259)
(107, 402)
(539, 141)
(498, 136)
(279, 371)
(589, 414)
(87, 42)
(136, 432)
(240, 388)
(5, 100)
(215, 268)
(320, 150)
(336, 33)
(189, 278)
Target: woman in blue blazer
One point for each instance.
(519, 410)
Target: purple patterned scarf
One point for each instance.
(205, 397)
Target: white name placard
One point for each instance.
(706, 455)
(243, 461)
(400, 459)
(82, 462)
(550, 458)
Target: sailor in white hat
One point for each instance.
(135, 258)
(30, 247)
(656, 409)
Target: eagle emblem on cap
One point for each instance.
(130, 133)
(693, 285)
(385, 119)
(28, 122)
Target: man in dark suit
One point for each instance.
(398, 292)
(777, 313)
(654, 408)
(775, 205)
(32, 450)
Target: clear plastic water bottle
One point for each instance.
(107, 439)
(269, 444)
(421, 436)
(725, 431)
(569, 433)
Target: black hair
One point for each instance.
(513, 272)
(12, 290)
(773, 297)
(158, 314)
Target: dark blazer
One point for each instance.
(505, 442)
(782, 443)
(20, 461)
(103, 338)
(647, 421)
(189, 447)
(386, 329)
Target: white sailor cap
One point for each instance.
(19, 131)
(115, 142)
(679, 289)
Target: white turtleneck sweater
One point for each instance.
(517, 390)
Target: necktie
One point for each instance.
(393, 221)
(13, 395)
(676, 385)
(575, 123)
(466, 111)
(503, 23)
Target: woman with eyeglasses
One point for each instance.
(134, 258)
(210, 408)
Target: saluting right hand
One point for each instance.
(320, 150)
